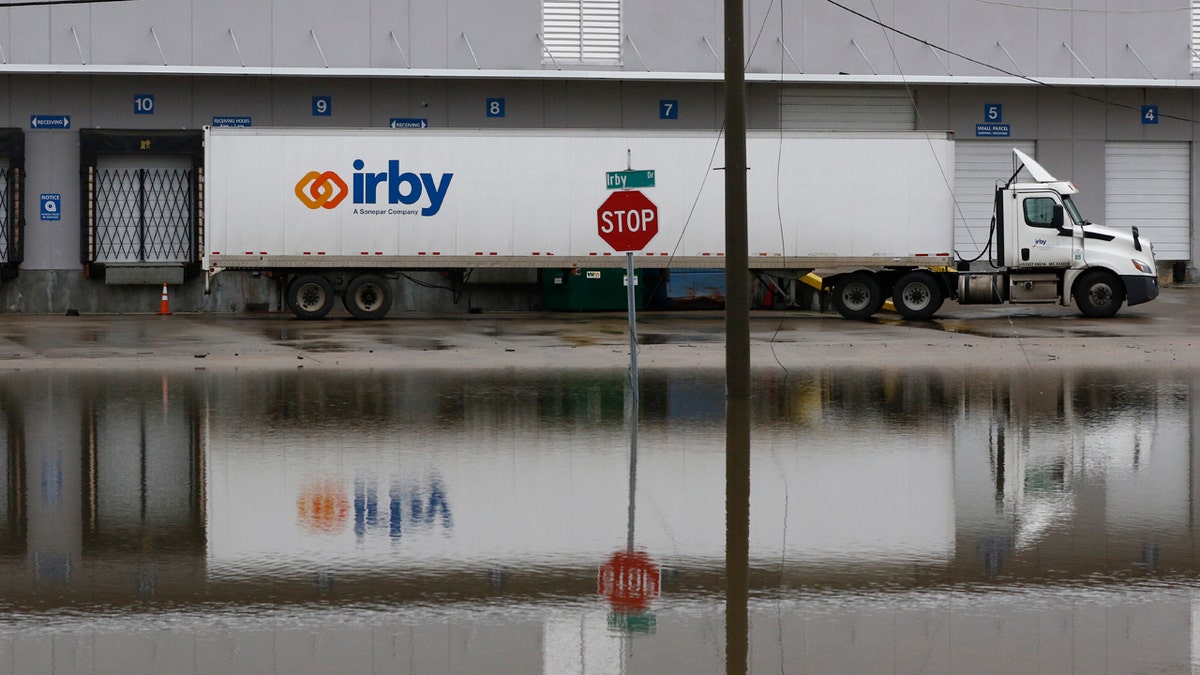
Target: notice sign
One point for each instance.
(992, 130)
(50, 206)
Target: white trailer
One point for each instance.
(333, 212)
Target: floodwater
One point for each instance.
(447, 522)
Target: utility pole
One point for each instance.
(737, 349)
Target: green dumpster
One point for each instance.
(587, 290)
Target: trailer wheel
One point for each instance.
(1099, 294)
(857, 296)
(368, 296)
(917, 296)
(310, 296)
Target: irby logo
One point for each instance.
(325, 190)
(319, 190)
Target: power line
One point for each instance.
(50, 3)
(1014, 5)
(998, 69)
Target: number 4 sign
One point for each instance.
(1149, 114)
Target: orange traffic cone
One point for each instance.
(164, 307)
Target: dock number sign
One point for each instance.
(627, 220)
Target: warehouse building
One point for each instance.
(104, 106)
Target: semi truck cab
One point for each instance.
(1046, 251)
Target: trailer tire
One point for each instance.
(857, 296)
(368, 296)
(917, 296)
(310, 296)
(1099, 294)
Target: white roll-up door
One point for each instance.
(1149, 185)
(846, 109)
(978, 167)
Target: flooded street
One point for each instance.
(179, 508)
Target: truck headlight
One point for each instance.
(1142, 267)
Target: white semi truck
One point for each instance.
(335, 212)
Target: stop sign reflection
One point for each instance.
(630, 580)
(627, 220)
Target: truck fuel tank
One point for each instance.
(982, 288)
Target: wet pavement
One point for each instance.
(995, 491)
(1157, 333)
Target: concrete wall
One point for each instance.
(670, 34)
(286, 47)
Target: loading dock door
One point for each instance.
(12, 219)
(846, 109)
(1148, 185)
(978, 167)
(142, 198)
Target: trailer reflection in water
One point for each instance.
(438, 522)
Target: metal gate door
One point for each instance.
(5, 222)
(143, 213)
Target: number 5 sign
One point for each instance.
(993, 113)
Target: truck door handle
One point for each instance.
(1025, 254)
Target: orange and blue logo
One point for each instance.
(321, 190)
(327, 189)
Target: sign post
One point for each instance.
(627, 221)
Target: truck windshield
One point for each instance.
(1072, 210)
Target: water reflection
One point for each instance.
(435, 522)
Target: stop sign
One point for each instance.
(627, 220)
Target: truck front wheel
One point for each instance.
(857, 296)
(917, 296)
(1099, 294)
(368, 296)
(310, 296)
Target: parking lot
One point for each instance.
(1160, 333)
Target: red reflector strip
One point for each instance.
(249, 252)
(320, 252)
(308, 253)
(921, 255)
(216, 253)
